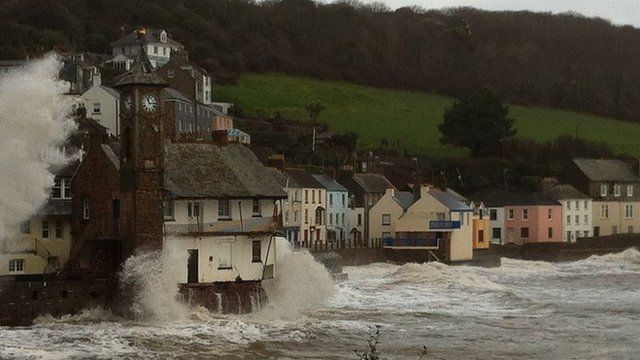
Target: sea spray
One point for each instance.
(300, 283)
(34, 124)
(149, 280)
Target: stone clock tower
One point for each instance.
(141, 156)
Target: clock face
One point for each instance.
(128, 103)
(149, 103)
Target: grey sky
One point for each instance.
(618, 11)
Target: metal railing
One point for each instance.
(444, 225)
(424, 243)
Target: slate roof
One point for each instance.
(563, 192)
(151, 36)
(57, 207)
(450, 199)
(606, 170)
(176, 95)
(141, 72)
(499, 199)
(207, 170)
(405, 199)
(329, 183)
(237, 132)
(113, 92)
(373, 183)
(302, 178)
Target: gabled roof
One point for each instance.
(237, 132)
(112, 151)
(113, 92)
(141, 73)
(373, 183)
(283, 180)
(173, 94)
(208, 170)
(564, 192)
(302, 178)
(606, 170)
(151, 36)
(329, 183)
(452, 200)
(404, 198)
(500, 199)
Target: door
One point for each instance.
(192, 266)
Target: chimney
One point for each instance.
(97, 78)
(424, 190)
(390, 191)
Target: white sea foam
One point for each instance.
(34, 124)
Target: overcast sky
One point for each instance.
(618, 11)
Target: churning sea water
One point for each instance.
(588, 309)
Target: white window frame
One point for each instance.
(222, 205)
(603, 190)
(616, 190)
(628, 211)
(511, 214)
(45, 229)
(256, 207)
(525, 214)
(629, 190)
(604, 211)
(86, 210)
(386, 217)
(16, 265)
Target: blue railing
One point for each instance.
(444, 225)
(433, 243)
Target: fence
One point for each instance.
(339, 244)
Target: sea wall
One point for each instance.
(581, 249)
(232, 297)
(23, 300)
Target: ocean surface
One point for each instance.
(588, 309)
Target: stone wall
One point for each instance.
(22, 301)
(232, 297)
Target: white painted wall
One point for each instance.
(497, 223)
(577, 219)
(337, 213)
(109, 114)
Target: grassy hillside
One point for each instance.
(411, 117)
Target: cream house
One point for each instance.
(102, 104)
(384, 215)
(304, 210)
(438, 220)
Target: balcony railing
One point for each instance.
(417, 243)
(444, 225)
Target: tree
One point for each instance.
(479, 122)
(314, 109)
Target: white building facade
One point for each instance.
(337, 199)
(102, 104)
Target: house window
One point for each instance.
(25, 227)
(224, 256)
(577, 219)
(342, 219)
(511, 214)
(493, 214)
(386, 219)
(604, 211)
(256, 250)
(85, 209)
(295, 216)
(616, 190)
(170, 74)
(586, 219)
(224, 209)
(568, 235)
(16, 265)
(525, 214)
(524, 232)
(57, 189)
(550, 233)
(319, 196)
(586, 205)
(480, 235)
(496, 233)
(168, 210)
(306, 196)
(344, 200)
(257, 210)
(45, 229)
(313, 196)
(330, 199)
(155, 49)
(568, 219)
(286, 216)
(603, 190)
(629, 190)
(306, 216)
(549, 214)
(568, 205)
(330, 219)
(59, 228)
(96, 108)
(386, 235)
(628, 211)
(359, 219)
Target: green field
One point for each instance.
(410, 117)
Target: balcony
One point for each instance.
(245, 226)
(444, 225)
(411, 243)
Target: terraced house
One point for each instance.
(337, 198)
(615, 190)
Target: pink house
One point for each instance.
(532, 217)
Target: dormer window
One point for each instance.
(163, 36)
(616, 190)
(603, 190)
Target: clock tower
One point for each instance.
(141, 156)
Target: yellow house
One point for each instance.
(44, 242)
(386, 212)
(439, 220)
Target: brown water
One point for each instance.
(588, 309)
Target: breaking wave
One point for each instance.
(439, 274)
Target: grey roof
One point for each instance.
(405, 199)
(175, 95)
(141, 73)
(283, 180)
(237, 132)
(113, 92)
(302, 178)
(373, 183)
(151, 36)
(563, 192)
(606, 170)
(112, 151)
(450, 199)
(329, 183)
(499, 199)
(57, 207)
(208, 170)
